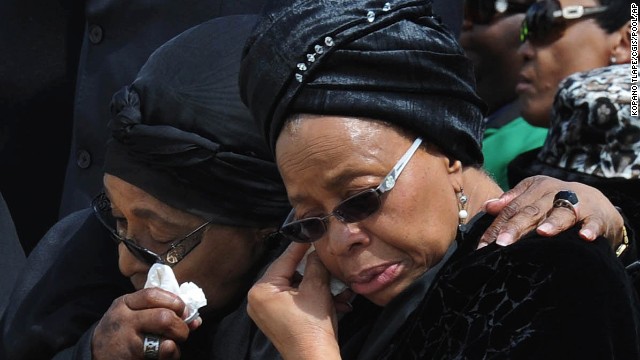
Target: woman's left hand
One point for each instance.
(300, 321)
(529, 206)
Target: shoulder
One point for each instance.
(561, 297)
(564, 262)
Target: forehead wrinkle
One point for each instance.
(145, 212)
(317, 158)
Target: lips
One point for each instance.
(374, 279)
(524, 84)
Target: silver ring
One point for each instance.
(566, 199)
(151, 346)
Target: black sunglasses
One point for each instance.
(177, 250)
(353, 209)
(545, 21)
(484, 11)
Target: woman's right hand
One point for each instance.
(301, 320)
(121, 331)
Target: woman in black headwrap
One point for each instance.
(376, 128)
(189, 183)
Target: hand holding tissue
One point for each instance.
(162, 276)
(336, 285)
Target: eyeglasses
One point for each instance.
(484, 11)
(353, 209)
(545, 21)
(177, 250)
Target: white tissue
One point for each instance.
(336, 285)
(162, 276)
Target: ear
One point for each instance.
(454, 169)
(453, 166)
(621, 44)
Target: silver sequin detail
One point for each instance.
(302, 67)
(371, 16)
(311, 57)
(389, 182)
(319, 49)
(328, 41)
(386, 7)
(299, 77)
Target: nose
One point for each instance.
(129, 264)
(525, 50)
(344, 238)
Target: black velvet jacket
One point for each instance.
(541, 298)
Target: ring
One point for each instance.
(151, 346)
(566, 199)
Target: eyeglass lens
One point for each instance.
(546, 20)
(177, 251)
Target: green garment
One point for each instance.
(501, 145)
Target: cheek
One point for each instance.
(219, 266)
(420, 224)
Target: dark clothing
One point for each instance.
(53, 48)
(119, 37)
(541, 298)
(40, 42)
(12, 260)
(70, 280)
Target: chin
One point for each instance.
(138, 281)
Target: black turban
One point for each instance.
(389, 60)
(181, 133)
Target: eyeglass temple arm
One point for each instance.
(577, 11)
(390, 180)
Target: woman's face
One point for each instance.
(219, 264)
(325, 159)
(493, 49)
(583, 46)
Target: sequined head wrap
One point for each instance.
(181, 133)
(389, 60)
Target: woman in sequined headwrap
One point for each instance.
(373, 119)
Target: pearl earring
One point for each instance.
(613, 59)
(462, 207)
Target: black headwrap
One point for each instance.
(181, 133)
(391, 60)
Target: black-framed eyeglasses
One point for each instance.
(483, 12)
(177, 250)
(545, 21)
(353, 209)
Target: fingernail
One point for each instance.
(487, 202)
(504, 239)
(193, 317)
(195, 323)
(545, 228)
(587, 234)
(481, 245)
